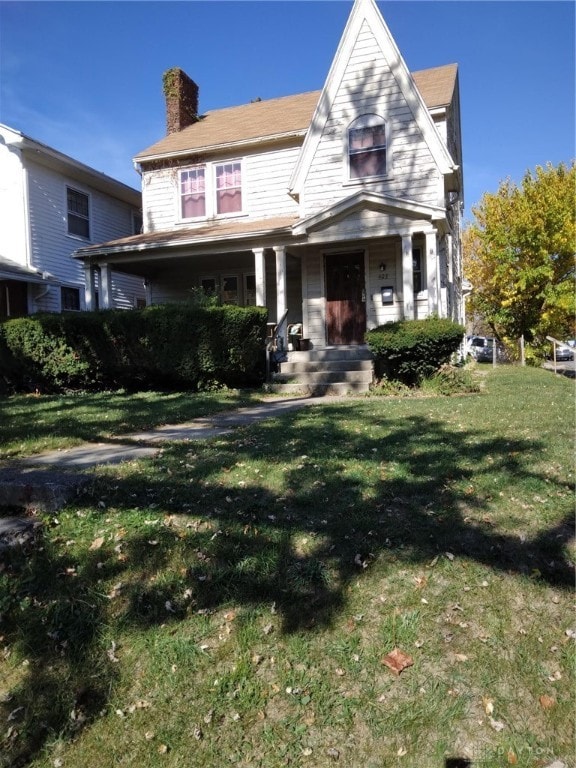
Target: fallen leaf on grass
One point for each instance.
(511, 757)
(111, 653)
(547, 702)
(488, 705)
(97, 543)
(397, 661)
(497, 725)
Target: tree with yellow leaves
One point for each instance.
(519, 255)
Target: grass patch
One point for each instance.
(34, 423)
(231, 601)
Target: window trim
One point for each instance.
(367, 120)
(87, 218)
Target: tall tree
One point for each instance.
(519, 255)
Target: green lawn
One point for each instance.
(232, 601)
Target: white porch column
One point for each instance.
(408, 277)
(280, 252)
(432, 272)
(89, 287)
(105, 286)
(260, 270)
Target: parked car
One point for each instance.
(564, 354)
(481, 348)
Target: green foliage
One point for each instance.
(41, 353)
(451, 380)
(411, 350)
(173, 346)
(519, 256)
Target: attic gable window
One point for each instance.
(367, 147)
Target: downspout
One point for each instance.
(26, 208)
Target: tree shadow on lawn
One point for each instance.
(249, 549)
(92, 417)
(403, 497)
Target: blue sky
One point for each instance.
(86, 77)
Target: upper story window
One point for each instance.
(78, 213)
(137, 223)
(211, 190)
(193, 192)
(367, 147)
(229, 188)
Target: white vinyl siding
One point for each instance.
(52, 247)
(411, 172)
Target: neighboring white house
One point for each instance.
(340, 208)
(50, 205)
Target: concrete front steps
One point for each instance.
(329, 371)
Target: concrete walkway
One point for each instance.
(49, 480)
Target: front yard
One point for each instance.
(234, 601)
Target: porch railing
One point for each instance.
(275, 345)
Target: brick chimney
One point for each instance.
(181, 94)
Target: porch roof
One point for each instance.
(222, 231)
(11, 270)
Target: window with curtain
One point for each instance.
(367, 147)
(193, 192)
(229, 188)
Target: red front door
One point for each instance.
(345, 298)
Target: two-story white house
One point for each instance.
(339, 209)
(50, 205)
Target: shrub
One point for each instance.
(451, 380)
(411, 350)
(171, 346)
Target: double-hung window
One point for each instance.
(193, 192)
(78, 213)
(367, 147)
(214, 189)
(228, 188)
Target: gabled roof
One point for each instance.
(365, 12)
(58, 161)
(278, 118)
(373, 201)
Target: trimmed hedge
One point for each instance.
(168, 346)
(412, 350)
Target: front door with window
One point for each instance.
(345, 298)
